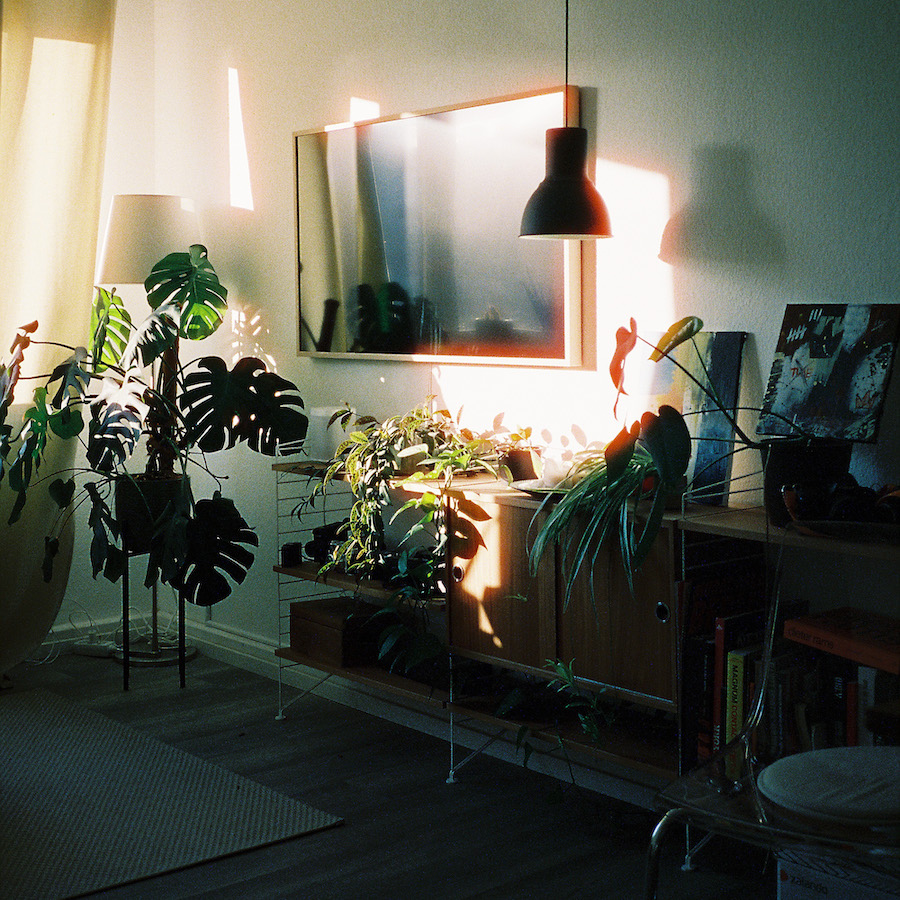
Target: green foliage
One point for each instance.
(620, 492)
(201, 547)
(586, 704)
(248, 404)
(420, 444)
(189, 282)
(217, 538)
(110, 330)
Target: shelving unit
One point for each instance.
(631, 647)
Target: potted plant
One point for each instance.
(518, 458)
(425, 442)
(621, 490)
(128, 391)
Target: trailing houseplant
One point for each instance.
(425, 442)
(130, 391)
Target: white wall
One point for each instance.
(802, 95)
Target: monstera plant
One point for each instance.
(129, 391)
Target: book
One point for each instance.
(867, 638)
(696, 693)
(731, 633)
(739, 675)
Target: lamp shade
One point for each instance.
(566, 203)
(141, 230)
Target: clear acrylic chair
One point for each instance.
(843, 805)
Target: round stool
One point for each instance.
(847, 785)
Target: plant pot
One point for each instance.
(812, 465)
(140, 504)
(523, 465)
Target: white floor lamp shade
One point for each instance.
(141, 230)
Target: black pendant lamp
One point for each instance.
(566, 204)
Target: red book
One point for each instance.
(867, 638)
(852, 696)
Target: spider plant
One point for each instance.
(620, 491)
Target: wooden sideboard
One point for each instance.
(628, 648)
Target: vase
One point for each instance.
(811, 465)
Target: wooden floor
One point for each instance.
(501, 831)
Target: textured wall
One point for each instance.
(779, 119)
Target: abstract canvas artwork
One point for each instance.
(831, 370)
(716, 354)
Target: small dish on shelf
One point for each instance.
(537, 488)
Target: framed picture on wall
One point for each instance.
(831, 371)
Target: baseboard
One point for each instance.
(253, 654)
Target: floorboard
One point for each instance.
(502, 831)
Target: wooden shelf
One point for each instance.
(750, 523)
(622, 743)
(365, 587)
(372, 676)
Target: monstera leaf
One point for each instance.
(152, 337)
(115, 427)
(249, 403)
(73, 379)
(217, 554)
(189, 281)
(110, 330)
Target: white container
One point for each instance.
(805, 877)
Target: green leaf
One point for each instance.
(626, 340)
(667, 438)
(112, 436)
(9, 371)
(102, 525)
(248, 404)
(110, 330)
(73, 379)
(151, 338)
(218, 539)
(67, 423)
(51, 549)
(61, 492)
(683, 330)
(189, 281)
(619, 451)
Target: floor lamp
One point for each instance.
(141, 230)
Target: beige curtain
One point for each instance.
(54, 85)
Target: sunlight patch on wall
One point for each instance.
(241, 189)
(631, 279)
(362, 110)
(249, 336)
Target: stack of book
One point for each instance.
(859, 652)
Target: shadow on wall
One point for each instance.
(721, 222)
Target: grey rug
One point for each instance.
(87, 803)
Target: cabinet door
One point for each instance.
(624, 641)
(497, 609)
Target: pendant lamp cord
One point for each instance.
(566, 91)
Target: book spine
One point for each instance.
(734, 697)
(852, 727)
